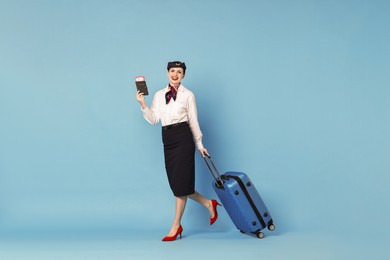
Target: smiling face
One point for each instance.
(175, 75)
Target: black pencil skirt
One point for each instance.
(179, 155)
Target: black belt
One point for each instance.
(174, 125)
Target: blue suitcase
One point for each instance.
(241, 201)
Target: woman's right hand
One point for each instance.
(141, 99)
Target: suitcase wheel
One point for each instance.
(260, 235)
(271, 227)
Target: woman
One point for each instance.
(175, 107)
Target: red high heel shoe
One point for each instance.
(213, 219)
(173, 238)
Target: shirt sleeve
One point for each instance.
(193, 121)
(152, 114)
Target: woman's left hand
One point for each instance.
(203, 152)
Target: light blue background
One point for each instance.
(294, 93)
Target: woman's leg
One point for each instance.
(180, 206)
(204, 201)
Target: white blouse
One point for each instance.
(176, 111)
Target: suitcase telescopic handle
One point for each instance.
(217, 177)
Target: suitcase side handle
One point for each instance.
(217, 177)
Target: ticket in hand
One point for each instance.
(139, 78)
(140, 83)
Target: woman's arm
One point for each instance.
(194, 125)
(150, 114)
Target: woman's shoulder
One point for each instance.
(162, 91)
(188, 91)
